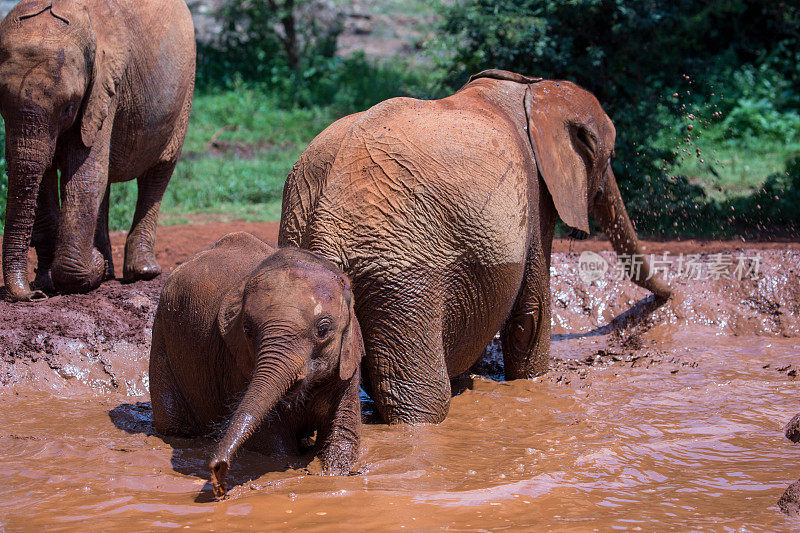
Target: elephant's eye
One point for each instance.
(323, 327)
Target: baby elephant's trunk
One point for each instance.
(275, 373)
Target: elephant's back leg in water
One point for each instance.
(525, 337)
(405, 360)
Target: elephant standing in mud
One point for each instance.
(442, 214)
(99, 92)
(271, 332)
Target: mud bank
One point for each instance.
(651, 416)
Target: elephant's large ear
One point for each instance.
(109, 66)
(562, 149)
(352, 350)
(230, 321)
(105, 80)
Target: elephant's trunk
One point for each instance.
(277, 369)
(610, 213)
(28, 158)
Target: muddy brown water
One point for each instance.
(651, 418)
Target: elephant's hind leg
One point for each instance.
(140, 258)
(406, 366)
(526, 335)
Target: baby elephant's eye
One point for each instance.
(323, 327)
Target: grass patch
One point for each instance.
(238, 152)
(250, 116)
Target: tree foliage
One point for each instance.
(270, 40)
(287, 48)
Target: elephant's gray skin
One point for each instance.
(100, 92)
(442, 214)
(271, 332)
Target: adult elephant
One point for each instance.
(442, 214)
(99, 92)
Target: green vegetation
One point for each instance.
(705, 100)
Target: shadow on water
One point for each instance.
(636, 315)
(190, 455)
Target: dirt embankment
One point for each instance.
(101, 340)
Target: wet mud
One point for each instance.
(653, 416)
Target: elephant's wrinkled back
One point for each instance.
(411, 174)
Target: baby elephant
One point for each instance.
(269, 332)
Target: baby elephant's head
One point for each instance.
(295, 315)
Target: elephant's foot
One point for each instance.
(141, 266)
(69, 276)
(19, 291)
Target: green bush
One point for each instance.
(347, 84)
(762, 103)
(266, 41)
(253, 51)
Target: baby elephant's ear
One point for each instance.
(352, 348)
(229, 320)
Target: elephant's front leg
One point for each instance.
(45, 229)
(340, 438)
(140, 258)
(526, 335)
(79, 266)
